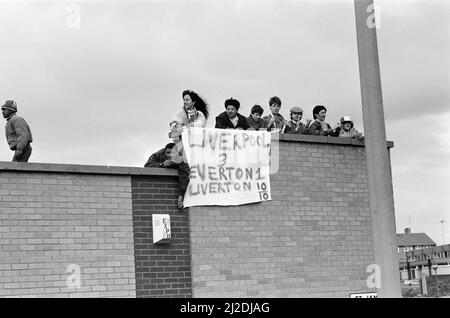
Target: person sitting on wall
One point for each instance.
(275, 121)
(320, 127)
(295, 126)
(193, 114)
(162, 158)
(230, 118)
(255, 121)
(18, 133)
(346, 129)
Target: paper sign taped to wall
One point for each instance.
(227, 167)
(161, 228)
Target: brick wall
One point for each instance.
(49, 221)
(162, 270)
(313, 239)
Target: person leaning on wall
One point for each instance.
(18, 133)
(345, 129)
(194, 113)
(255, 121)
(295, 126)
(230, 118)
(275, 121)
(319, 126)
(162, 158)
(168, 158)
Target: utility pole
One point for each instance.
(377, 155)
(443, 237)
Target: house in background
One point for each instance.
(413, 241)
(425, 260)
(419, 255)
(407, 242)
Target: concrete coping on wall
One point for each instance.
(85, 169)
(138, 171)
(327, 140)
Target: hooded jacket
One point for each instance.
(224, 122)
(18, 133)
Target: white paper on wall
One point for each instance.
(161, 228)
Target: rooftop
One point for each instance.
(414, 239)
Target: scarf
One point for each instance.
(323, 124)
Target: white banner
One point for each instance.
(227, 167)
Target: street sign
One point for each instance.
(411, 282)
(364, 295)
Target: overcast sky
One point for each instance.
(103, 91)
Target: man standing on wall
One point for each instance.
(18, 133)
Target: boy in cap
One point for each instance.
(295, 126)
(230, 118)
(18, 133)
(346, 129)
(254, 120)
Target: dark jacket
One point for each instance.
(316, 129)
(156, 159)
(256, 124)
(224, 122)
(18, 134)
(295, 129)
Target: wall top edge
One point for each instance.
(139, 171)
(84, 169)
(327, 140)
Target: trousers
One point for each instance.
(24, 156)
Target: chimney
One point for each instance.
(407, 230)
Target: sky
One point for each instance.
(98, 81)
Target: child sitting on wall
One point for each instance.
(274, 120)
(346, 129)
(319, 127)
(295, 126)
(254, 120)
